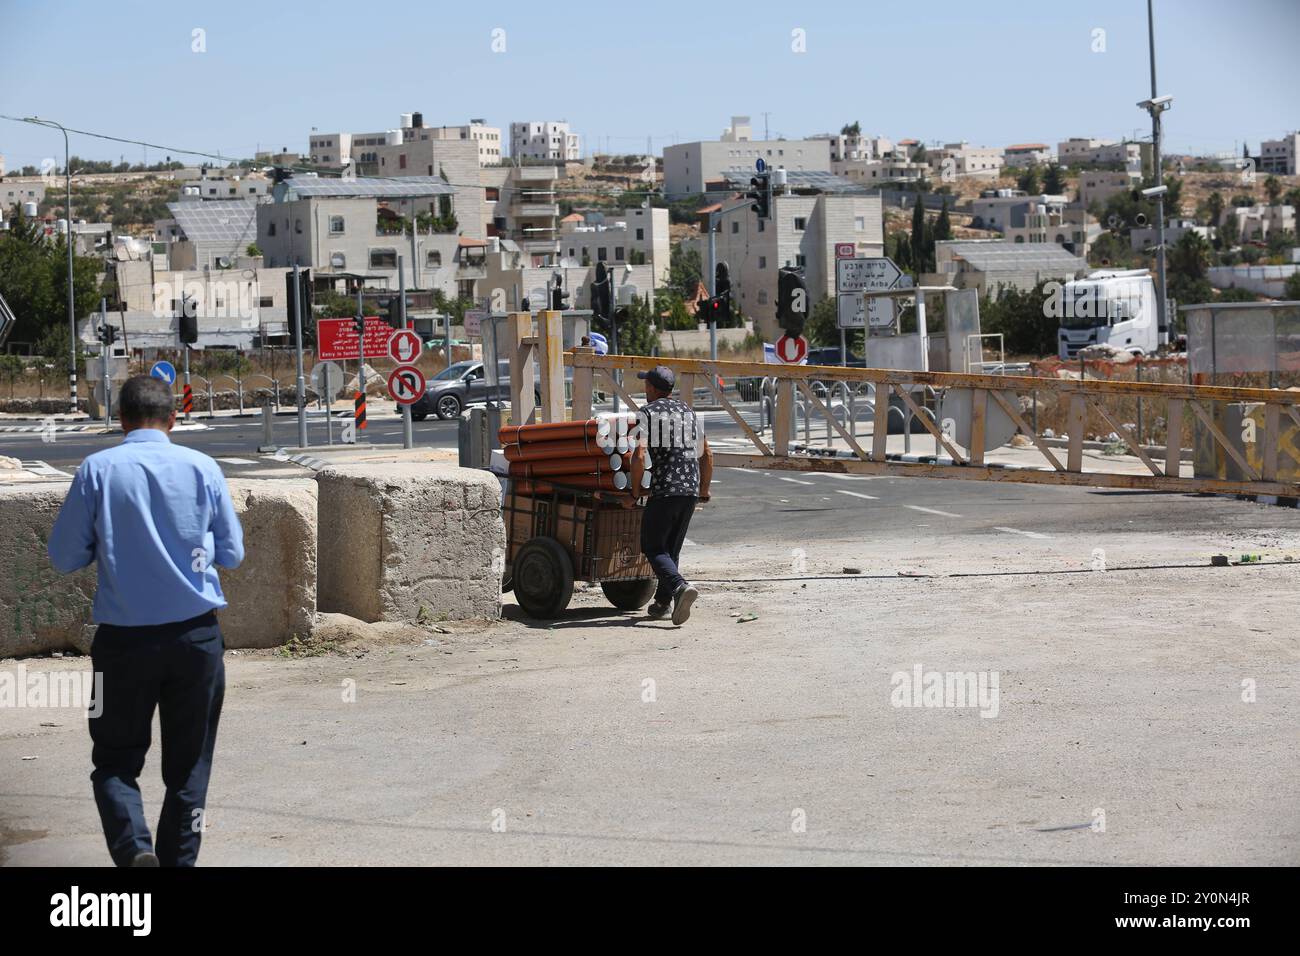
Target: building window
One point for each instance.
(799, 223)
(336, 225)
(433, 258)
(265, 302)
(801, 261)
(401, 161)
(762, 225)
(762, 262)
(383, 258)
(618, 253)
(860, 223)
(762, 297)
(735, 228)
(601, 254)
(297, 226)
(640, 233)
(492, 194)
(270, 229)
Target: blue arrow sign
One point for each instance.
(760, 165)
(165, 371)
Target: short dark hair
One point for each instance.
(145, 399)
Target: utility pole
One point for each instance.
(408, 439)
(297, 331)
(1156, 106)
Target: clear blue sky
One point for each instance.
(988, 72)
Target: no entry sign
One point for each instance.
(406, 384)
(792, 349)
(336, 339)
(404, 346)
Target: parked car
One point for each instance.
(831, 356)
(462, 384)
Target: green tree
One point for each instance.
(34, 281)
(685, 270)
(11, 370)
(1189, 262)
(902, 251)
(918, 240)
(821, 328)
(1273, 187)
(942, 227)
(1026, 324)
(1214, 207)
(1291, 291)
(851, 129)
(1054, 180)
(1028, 180)
(637, 334)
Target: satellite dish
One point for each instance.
(223, 262)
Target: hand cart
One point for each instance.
(572, 533)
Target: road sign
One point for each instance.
(319, 379)
(845, 250)
(336, 339)
(404, 346)
(163, 370)
(792, 349)
(474, 322)
(866, 275)
(854, 311)
(760, 165)
(406, 384)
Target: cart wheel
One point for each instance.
(629, 595)
(543, 577)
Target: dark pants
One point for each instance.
(178, 669)
(663, 529)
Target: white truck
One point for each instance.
(1111, 307)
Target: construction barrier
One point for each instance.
(359, 410)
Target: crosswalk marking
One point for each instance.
(933, 511)
(1027, 534)
(795, 481)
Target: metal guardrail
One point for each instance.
(1182, 404)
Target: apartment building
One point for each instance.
(1260, 222)
(690, 167)
(1020, 155)
(1099, 185)
(638, 236)
(1145, 237)
(360, 150)
(206, 236)
(1278, 156)
(1085, 150)
(962, 159)
(353, 229)
(544, 139)
(15, 192)
(454, 160)
(1032, 220)
(803, 231)
(520, 204)
(223, 184)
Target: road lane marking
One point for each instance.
(842, 477)
(236, 461)
(857, 494)
(933, 511)
(795, 481)
(1027, 534)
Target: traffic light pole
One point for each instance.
(408, 439)
(104, 363)
(302, 385)
(715, 219)
(185, 359)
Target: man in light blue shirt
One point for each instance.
(156, 519)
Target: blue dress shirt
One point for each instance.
(156, 518)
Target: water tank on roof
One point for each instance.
(29, 210)
(406, 120)
(393, 137)
(417, 120)
(61, 226)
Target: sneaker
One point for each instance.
(144, 858)
(682, 601)
(656, 610)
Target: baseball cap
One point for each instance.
(661, 376)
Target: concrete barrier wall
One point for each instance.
(272, 595)
(398, 537)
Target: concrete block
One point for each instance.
(395, 537)
(40, 609)
(271, 596)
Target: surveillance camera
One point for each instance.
(1157, 103)
(1155, 191)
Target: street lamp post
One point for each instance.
(1156, 105)
(67, 238)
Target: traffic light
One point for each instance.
(359, 323)
(600, 289)
(106, 334)
(189, 320)
(761, 193)
(559, 298)
(791, 300)
(303, 294)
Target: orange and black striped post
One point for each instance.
(187, 405)
(359, 404)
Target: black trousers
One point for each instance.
(663, 529)
(176, 668)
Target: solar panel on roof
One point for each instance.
(401, 187)
(219, 221)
